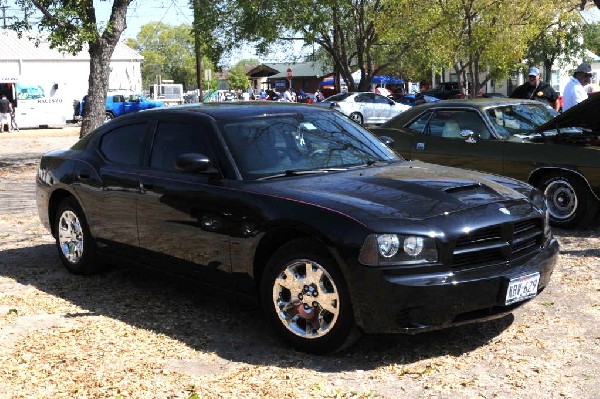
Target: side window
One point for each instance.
(364, 98)
(125, 144)
(118, 98)
(443, 124)
(419, 124)
(450, 124)
(381, 99)
(175, 138)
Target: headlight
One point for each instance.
(394, 249)
(539, 201)
(388, 245)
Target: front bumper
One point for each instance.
(385, 302)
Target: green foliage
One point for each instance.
(470, 37)
(591, 38)
(215, 27)
(557, 43)
(69, 24)
(169, 52)
(247, 63)
(342, 28)
(237, 78)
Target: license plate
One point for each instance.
(522, 288)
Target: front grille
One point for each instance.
(498, 244)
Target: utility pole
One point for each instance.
(198, 45)
(3, 8)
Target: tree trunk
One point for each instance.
(94, 108)
(101, 50)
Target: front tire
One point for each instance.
(304, 296)
(570, 202)
(108, 116)
(357, 117)
(76, 246)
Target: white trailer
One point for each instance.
(39, 102)
(168, 93)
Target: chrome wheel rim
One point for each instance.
(306, 299)
(562, 199)
(70, 236)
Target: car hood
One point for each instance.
(409, 190)
(582, 115)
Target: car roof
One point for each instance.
(230, 110)
(478, 103)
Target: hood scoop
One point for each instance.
(473, 193)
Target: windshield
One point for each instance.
(509, 120)
(268, 145)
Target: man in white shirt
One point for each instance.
(574, 90)
(287, 96)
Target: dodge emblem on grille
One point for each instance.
(504, 211)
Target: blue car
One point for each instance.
(122, 102)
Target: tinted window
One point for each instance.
(125, 144)
(173, 139)
(273, 144)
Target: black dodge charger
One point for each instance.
(331, 229)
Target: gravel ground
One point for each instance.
(126, 334)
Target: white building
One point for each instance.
(43, 82)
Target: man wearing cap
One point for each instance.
(535, 89)
(574, 90)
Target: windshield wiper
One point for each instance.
(292, 172)
(378, 162)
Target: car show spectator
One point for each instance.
(536, 89)
(319, 96)
(5, 112)
(574, 90)
(593, 87)
(288, 96)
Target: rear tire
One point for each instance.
(570, 202)
(108, 116)
(304, 296)
(76, 246)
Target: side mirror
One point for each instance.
(192, 162)
(387, 140)
(470, 136)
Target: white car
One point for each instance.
(365, 107)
